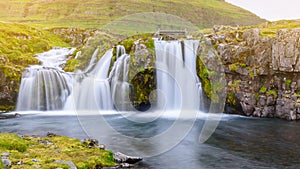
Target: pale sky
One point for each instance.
(271, 10)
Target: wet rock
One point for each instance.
(50, 134)
(268, 111)
(247, 109)
(9, 116)
(262, 100)
(270, 100)
(122, 158)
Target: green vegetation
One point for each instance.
(297, 95)
(1, 165)
(262, 90)
(96, 14)
(203, 73)
(288, 82)
(49, 149)
(272, 92)
(231, 99)
(234, 67)
(269, 29)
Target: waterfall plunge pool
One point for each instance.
(238, 142)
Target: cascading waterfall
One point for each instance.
(120, 50)
(119, 83)
(173, 59)
(46, 86)
(93, 92)
(190, 54)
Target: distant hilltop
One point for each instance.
(95, 13)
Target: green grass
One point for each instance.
(269, 29)
(60, 148)
(96, 14)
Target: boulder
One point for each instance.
(122, 158)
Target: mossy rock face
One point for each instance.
(211, 73)
(37, 152)
(144, 83)
(142, 75)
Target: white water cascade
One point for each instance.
(176, 65)
(45, 86)
(93, 91)
(119, 83)
(48, 87)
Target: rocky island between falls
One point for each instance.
(260, 63)
(58, 152)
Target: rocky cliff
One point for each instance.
(262, 72)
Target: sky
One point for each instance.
(271, 10)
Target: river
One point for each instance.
(238, 142)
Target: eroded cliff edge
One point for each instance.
(262, 72)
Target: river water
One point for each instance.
(238, 142)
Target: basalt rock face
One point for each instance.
(262, 73)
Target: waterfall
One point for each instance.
(92, 61)
(45, 86)
(190, 58)
(119, 82)
(93, 91)
(48, 87)
(176, 64)
(120, 50)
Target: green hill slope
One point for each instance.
(96, 13)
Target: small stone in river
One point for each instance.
(122, 158)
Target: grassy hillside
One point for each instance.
(97, 13)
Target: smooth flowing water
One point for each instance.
(238, 142)
(45, 86)
(176, 74)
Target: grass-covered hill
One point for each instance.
(96, 13)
